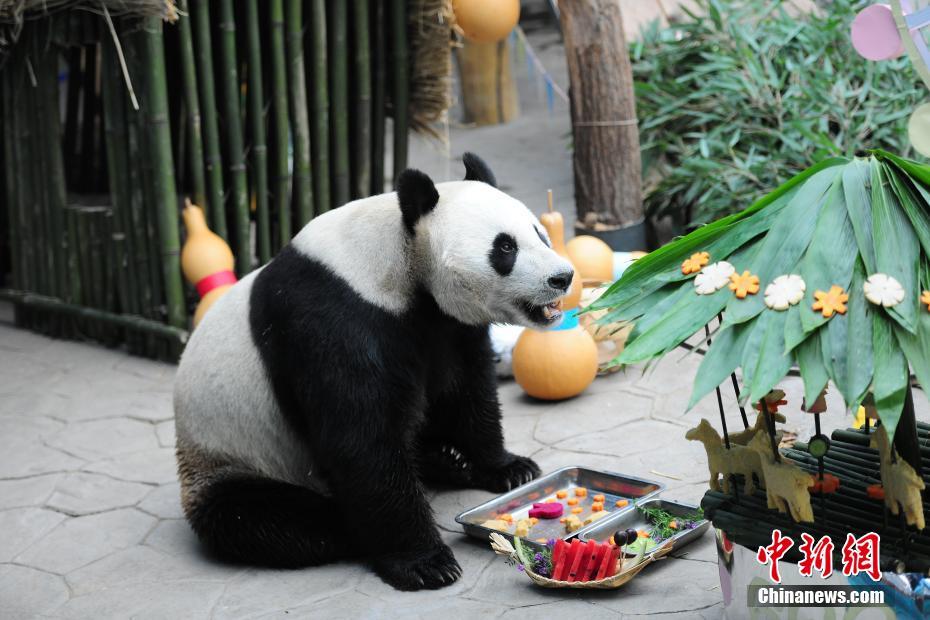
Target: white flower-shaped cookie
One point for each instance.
(713, 277)
(883, 290)
(784, 291)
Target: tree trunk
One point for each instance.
(607, 166)
(489, 94)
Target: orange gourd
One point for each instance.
(206, 260)
(555, 226)
(556, 363)
(486, 21)
(593, 258)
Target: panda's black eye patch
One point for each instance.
(503, 254)
(542, 237)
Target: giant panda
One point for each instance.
(316, 397)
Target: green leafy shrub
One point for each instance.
(744, 94)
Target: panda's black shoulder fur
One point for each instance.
(326, 348)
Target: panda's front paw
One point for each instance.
(422, 570)
(516, 470)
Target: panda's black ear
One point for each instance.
(477, 170)
(417, 196)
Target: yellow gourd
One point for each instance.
(486, 21)
(561, 362)
(555, 226)
(593, 258)
(206, 260)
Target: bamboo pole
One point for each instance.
(25, 171)
(117, 162)
(53, 169)
(379, 65)
(200, 16)
(259, 151)
(339, 101)
(282, 176)
(361, 134)
(235, 150)
(160, 152)
(11, 185)
(192, 105)
(320, 97)
(399, 84)
(52, 304)
(303, 190)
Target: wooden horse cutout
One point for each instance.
(720, 461)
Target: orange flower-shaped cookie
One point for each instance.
(832, 301)
(744, 284)
(694, 264)
(925, 299)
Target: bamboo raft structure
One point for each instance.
(747, 520)
(264, 113)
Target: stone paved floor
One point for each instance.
(90, 524)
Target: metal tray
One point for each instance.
(603, 529)
(519, 501)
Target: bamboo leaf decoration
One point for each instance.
(835, 224)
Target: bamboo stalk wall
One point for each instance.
(265, 113)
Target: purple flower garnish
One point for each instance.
(550, 542)
(520, 568)
(538, 557)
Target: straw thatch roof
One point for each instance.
(14, 12)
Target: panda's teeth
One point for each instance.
(552, 309)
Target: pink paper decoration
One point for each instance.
(875, 34)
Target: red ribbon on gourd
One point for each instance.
(215, 280)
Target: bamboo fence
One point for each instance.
(264, 113)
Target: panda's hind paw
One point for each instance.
(428, 570)
(515, 471)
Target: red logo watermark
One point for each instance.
(860, 555)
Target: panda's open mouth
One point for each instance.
(544, 314)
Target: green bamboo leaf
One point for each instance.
(830, 259)
(750, 357)
(687, 316)
(657, 312)
(810, 361)
(637, 279)
(890, 381)
(794, 332)
(785, 242)
(857, 352)
(720, 360)
(859, 204)
(774, 363)
(914, 207)
(896, 247)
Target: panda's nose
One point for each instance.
(562, 281)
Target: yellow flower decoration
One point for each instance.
(694, 264)
(925, 299)
(744, 284)
(832, 301)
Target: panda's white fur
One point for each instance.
(223, 401)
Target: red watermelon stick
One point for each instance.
(596, 559)
(560, 571)
(557, 552)
(609, 564)
(580, 562)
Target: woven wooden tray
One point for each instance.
(502, 546)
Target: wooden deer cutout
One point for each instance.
(786, 485)
(901, 483)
